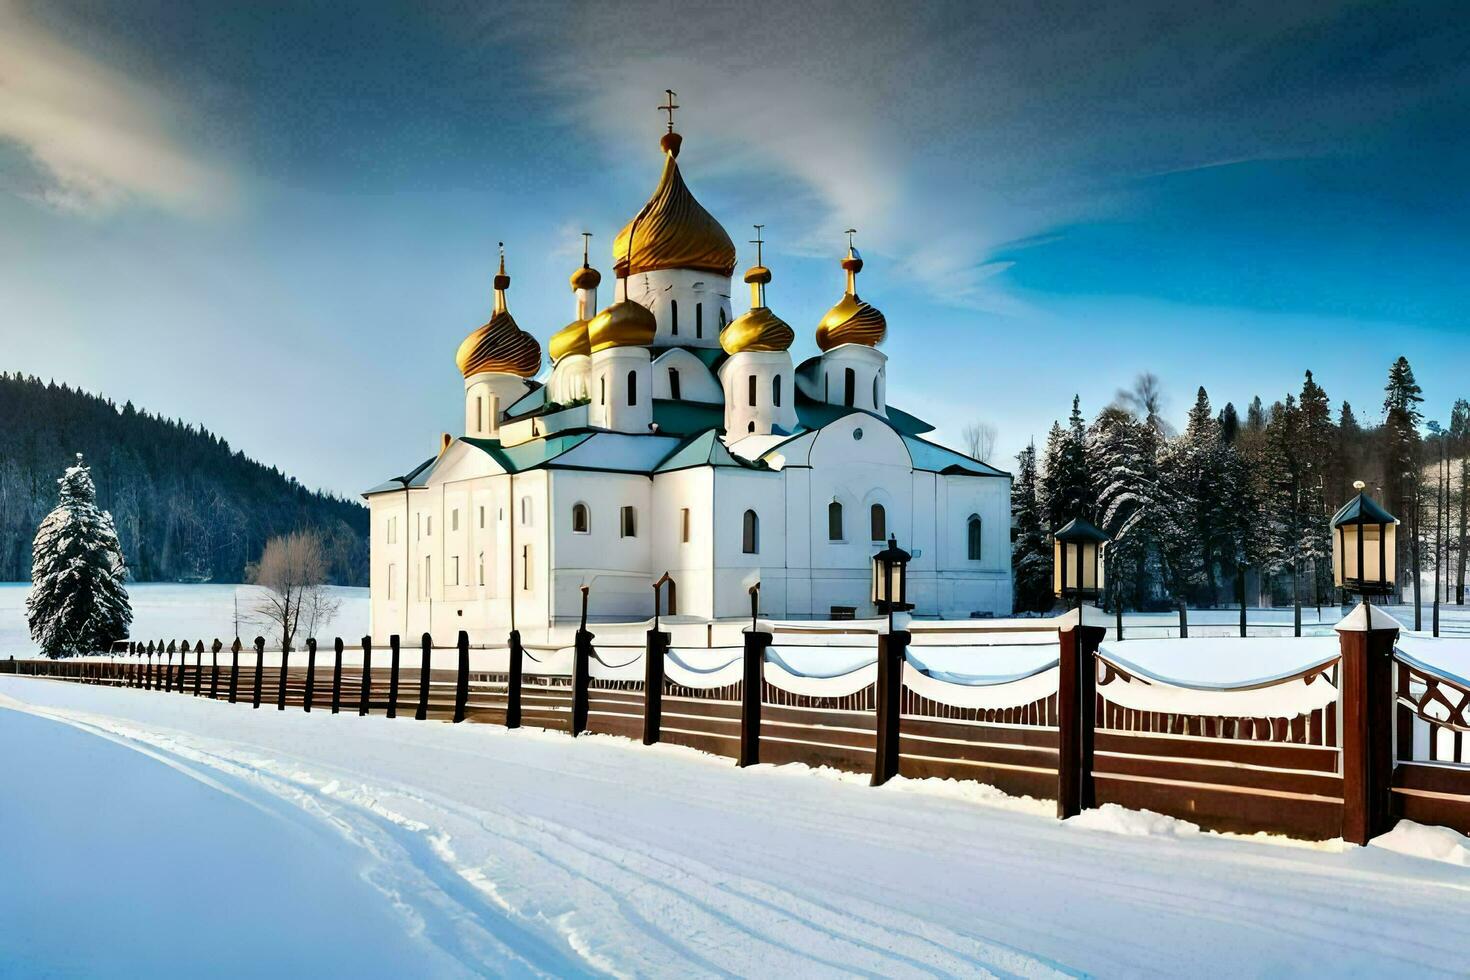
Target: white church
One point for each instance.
(671, 437)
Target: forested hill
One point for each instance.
(188, 508)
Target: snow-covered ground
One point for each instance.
(524, 852)
(172, 612)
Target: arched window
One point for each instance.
(875, 393)
(581, 519)
(480, 577)
(526, 511)
(722, 318)
(776, 391)
(674, 383)
(750, 390)
(834, 521)
(849, 386)
(750, 540)
(602, 390)
(629, 528)
(674, 317)
(973, 537)
(699, 319)
(632, 387)
(750, 426)
(878, 523)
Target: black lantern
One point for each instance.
(1077, 560)
(1363, 543)
(891, 578)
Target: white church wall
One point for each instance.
(621, 388)
(696, 382)
(735, 570)
(615, 566)
(689, 306)
(690, 562)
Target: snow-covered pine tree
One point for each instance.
(1030, 557)
(1124, 453)
(77, 602)
(1066, 483)
(1321, 468)
(1401, 420)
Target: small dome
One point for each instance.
(674, 231)
(851, 321)
(570, 339)
(499, 345)
(758, 273)
(623, 324)
(756, 330)
(586, 278)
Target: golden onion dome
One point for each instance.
(500, 345)
(570, 339)
(674, 230)
(586, 278)
(756, 330)
(623, 324)
(851, 321)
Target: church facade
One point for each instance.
(672, 437)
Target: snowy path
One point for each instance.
(523, 852)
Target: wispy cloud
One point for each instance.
(97, 140)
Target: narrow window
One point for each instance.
(750, 390)
(453, 570)
(428, 567)
(699, 319)
(750, 539)
(674, 383)
(722, 318)
(392, 579)
(526, 511)
(632, 387)
(849, 386)
(454, 519)
(834, 521)
(684, 525)
(602, 390)
(629, 522)
(479, 414)
(480, 574)
(750, 426)
(972, 535)
(674, 317)
(875, 393)
(482, 516)
(429, 526)
(525, 568)
(826, 388)
(879, 521)
(418, 527)
(494, 414)
(580, 518)
(776, 391)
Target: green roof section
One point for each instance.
(935, 458)
(1078, 529)
(528, 455)
(812, 414)
(415, 478)
(532, 401)
(704, 449)
(1362, 509)
(681, 418)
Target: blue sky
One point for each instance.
(279, 222)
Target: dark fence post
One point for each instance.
(365, 697)
(1367, 639)
(234, 668)
(1183, 620)
(215, 648)
(310, 691)
(259, 669)
(281, 685)
(1076, 708)
(148, 670)
(168, 673)
(198, 665)
(427, 644)
(581, 668)
(393, 677)
(654, 650)
(513, 684)
(753, 680)
(462, 677)
(337, 677)
(892, 651)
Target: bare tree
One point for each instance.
(979, 440)
(293, 571)
(1145, 400)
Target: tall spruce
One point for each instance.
(1124, 451)
(1460, 488)
(1031, 560)
(1320, 473)
(1401, 420)
(1066, 484)
(77, 602)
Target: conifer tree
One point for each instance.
(77, 602)
(1030, 558)
(1066, 488)
(1401, 420)
(1124, 451)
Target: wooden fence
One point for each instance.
(1343, 747)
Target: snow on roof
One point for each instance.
(936, 459)
(704, 449)
(414, 476)
(618, 452)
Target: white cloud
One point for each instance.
(98, 140)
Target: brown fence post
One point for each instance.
(1183, 620)
(259, 669)
(215, 648)
(393, 641)
(513, 685)
(581, 669)
(337, 677)
(654, 650)
(427, 643)
(1367, 637)
(281, 685)
(752, 681)
(148, 671)
(892, 651)
(168, 672)
(1076, 708)
(198, 666)
(462, 677)
(234, 669)
(365, 696)
(310, 693)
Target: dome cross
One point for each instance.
(669, 107)
(757, 241)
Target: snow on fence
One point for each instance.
(1314, 738)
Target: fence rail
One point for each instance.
(1342, 747)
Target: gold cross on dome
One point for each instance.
(757, 241)
(586, 245)
(670, 107)
(849, 233)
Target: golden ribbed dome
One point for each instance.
(624, 324)
(500, 345)
(674, 230)
(586, 278)
(570, 339)
(851, 321)
(756, 330)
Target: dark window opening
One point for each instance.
(879, 521)
(849, 387)
(834, 521)
(673, 383)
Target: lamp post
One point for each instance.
(1077, 560)
(891, 580)
(1363, 541)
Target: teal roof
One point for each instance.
(415, 478)
(704, 449)
(812, 414)
(529, 455)
(1078, 529)
(531, 401)
(711, 356)
(1362, 509)
(682, 418)
(937, 459)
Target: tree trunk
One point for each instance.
(1464, 519)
